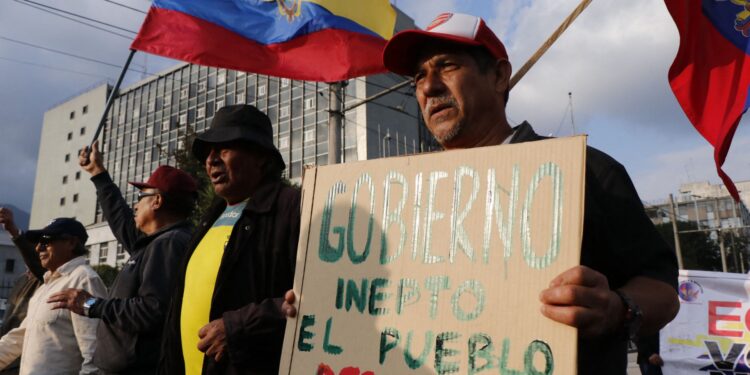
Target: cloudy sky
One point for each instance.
(614, 61)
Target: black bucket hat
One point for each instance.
(241, 122)
(63, 226)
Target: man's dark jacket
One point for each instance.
(132, 317)
(619, 241)
(256, 269)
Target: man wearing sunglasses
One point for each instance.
(55, 341)
(155, 234)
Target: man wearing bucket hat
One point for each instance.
(155, 235)
(55, 341)
(626, 284)
(225, 316)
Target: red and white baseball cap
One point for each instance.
(400, 54)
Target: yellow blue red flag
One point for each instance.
(317, 40)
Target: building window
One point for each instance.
(62, 201)
(147, 157)
(180, 144)
(10, 265)
(284, 142)
(83, 130)
(184, 93)
(134, 136)
(121, 118)
(78, 175)
(119, 142)
(183, 119)
(136, 113)
(309, 103)
(67, 158)
(149, 131)
(165, 126)
(221, 78)
(151, 106)
(200, 112)
(241, 98)
(284, 111)
(70, 135)
(85, 109)
(120, 253)
(262, 90)
(72, 115)
(167, 100)
(202, 86)
(103, 252)
(285, 82)
(219, 104)
(75, 198)
(309, 135)
(65, 180)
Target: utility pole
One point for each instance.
(673, 219)
(721, 237)
(335, 121)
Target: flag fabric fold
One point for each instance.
(316, 40)
(710, 76)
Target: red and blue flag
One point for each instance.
(316, 40)
(711, 74)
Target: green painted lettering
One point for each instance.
(393, 178)
(480, 348)
(475, 288)
(356, 294)
(387, 344)
(551, 170)
(326, 252)
(327, 346)
(350, 249)
(304, 334)
(441, 353)
(406, 297)
(435, 284)
(411, 361)
(377, 296)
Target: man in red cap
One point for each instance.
(132, 316)
(626, 284)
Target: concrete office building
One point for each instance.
(149, 121)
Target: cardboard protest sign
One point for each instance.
(433, 264)
(711, 333)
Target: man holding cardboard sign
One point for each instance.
(626, 283)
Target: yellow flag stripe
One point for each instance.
(376, 15)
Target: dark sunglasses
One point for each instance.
(45, 241)
(142, 195)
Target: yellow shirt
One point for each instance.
(200, 279)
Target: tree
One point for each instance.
(187, 162)
(699, 251)
(107, 273)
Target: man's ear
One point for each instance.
(502, 71)
(157, 202)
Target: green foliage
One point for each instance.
(107, 273)
(701, 252)
(185, 161)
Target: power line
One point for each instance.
(67, 54)
(125, 6)
(74, 20)
(80, 16)
(50, 67)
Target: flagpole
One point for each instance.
(552, 39)
(111, 97)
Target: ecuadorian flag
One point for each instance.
(315, 40)
(710, 75)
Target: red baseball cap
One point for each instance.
(168, 180)
(400, 54)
